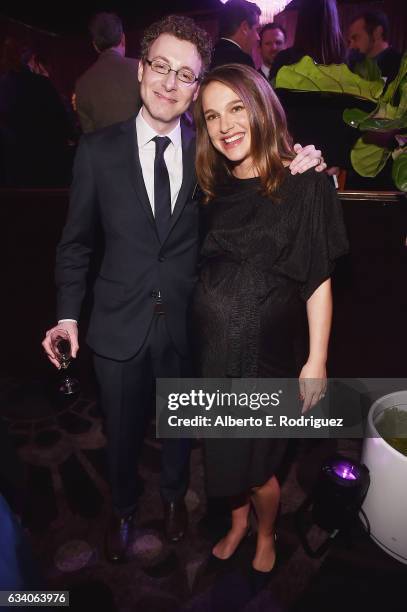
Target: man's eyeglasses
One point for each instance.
(183, 74)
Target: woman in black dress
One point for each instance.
(270, 242)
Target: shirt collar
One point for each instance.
(266, 70)
(110, 50)
(232, 41)
(145, 133)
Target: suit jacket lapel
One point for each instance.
(188, 172)
(134, 168)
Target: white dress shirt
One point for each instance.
(265, 70)
(172, 157)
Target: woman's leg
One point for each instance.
(240, 521)
(266, 500)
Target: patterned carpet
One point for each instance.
(62, 448)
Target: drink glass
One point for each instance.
(61, 347)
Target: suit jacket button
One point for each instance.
(161, 258)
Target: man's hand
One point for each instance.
(72, 328)
(307, 157)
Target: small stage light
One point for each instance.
(335, 502)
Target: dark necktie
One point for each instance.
(162, 191)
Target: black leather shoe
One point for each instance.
(175, 520)
(117, 538)
(258, 581)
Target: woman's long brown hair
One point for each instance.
(270, 140)
(318, 32)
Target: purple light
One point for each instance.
(345, 470)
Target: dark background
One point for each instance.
(59, 30)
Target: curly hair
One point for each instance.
(183, 28)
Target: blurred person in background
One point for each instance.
(318, 34)
(368, 36)
(238, 30)
(36, 63)
(317, 116)
(108, 92)
(35, 127)
(273, 39)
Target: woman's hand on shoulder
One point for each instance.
(306, 158)
(313, 384)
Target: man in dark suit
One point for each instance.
(137, 178)
(108, 92)
(238, 25)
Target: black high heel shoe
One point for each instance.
(259, 580)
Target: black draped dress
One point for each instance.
(261, 260)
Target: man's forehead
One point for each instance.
(273, 34)
(175, 49)
(357, 25)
